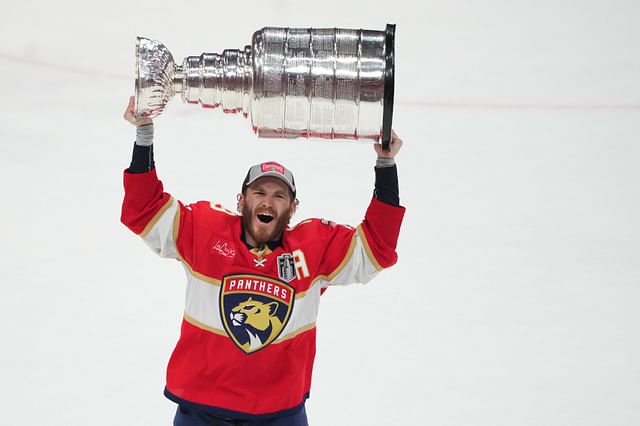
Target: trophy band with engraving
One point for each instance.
(291, 82)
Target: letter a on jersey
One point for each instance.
(254, 309)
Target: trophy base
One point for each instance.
(294, 134)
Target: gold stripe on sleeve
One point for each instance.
(176, 228)
(198, 275)
(335, 272)
(367, 249)
(156, 218)
(346, 259)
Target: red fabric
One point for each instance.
(207, 367)
(270, 380)
(143, 198)
(382, 228)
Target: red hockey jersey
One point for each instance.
(247, 342)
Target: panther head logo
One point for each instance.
(255, 309)
(258, 320)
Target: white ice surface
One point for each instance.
(515, 298)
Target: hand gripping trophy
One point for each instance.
(291, 82)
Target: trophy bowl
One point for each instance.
(291, 82)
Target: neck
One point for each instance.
(251, 243)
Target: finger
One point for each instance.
(395, 140)
(128, 113)
(397, 144)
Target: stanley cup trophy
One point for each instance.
(291, 82)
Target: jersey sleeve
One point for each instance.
(358, 256)
(151, 213)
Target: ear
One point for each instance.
(293, 208)
(240, 203)
(273, 307)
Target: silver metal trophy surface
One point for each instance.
(291, 82)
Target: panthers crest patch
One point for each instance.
(254, 309)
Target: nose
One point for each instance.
(268, 201)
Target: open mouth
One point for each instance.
(265, 217)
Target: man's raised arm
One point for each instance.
(386, 186)
(147, 210)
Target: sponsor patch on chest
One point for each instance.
(254, 309)
(224, 248)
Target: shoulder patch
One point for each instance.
(328, 222)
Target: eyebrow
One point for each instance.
(260, 187)
(284, 190)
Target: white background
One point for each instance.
(515, 298)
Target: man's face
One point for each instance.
(266, 209)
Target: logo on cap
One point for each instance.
(272, 167)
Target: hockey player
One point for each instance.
(247, 342)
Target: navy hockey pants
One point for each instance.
(188, 417)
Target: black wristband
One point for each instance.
(386, 187)
(142, 159)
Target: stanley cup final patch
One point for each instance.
(254, 309)
(286, 267)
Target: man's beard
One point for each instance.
(262, 236)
